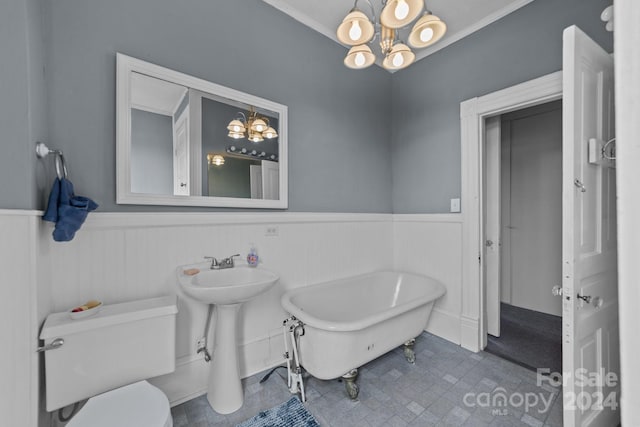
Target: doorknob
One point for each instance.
(585, 298)
(489, 243)
(556, 291)
(580, 185)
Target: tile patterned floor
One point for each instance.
(447, 386)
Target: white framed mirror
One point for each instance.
(184, 141)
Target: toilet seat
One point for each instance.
(135, 405)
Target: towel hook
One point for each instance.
(609, 153)
(61, 167)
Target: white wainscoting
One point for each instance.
(19, 371)
(120, 257)
(431, 244)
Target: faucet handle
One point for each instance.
(230, 259)
(214, 261)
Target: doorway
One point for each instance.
(522, 192)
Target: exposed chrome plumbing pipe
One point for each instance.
(207, 356)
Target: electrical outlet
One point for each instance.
(200, 344)
(271, 231)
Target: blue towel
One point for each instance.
(67, 210)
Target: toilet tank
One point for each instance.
(121, 344)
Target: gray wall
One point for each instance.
(151, 153)
(425, 142)
(243, 44)
(344, 111)
(233, 179)
(22, 105)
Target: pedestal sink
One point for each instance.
(227, 289)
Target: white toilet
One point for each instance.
(106, 358)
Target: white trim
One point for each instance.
(126, 65)
(444, 324)
(473, 112)
(627, 85)
(152, 109)
(20, 212)
(427, 218)
(469, 333)
(170, 219)
(304, 18)
(195, 139)
(190, 379)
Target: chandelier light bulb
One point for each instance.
(270, 133)
(258, 125)
(360, 59)
(426, 34)
(398, 60)
(402, 10)
(355, 32)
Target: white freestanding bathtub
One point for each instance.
(351, 321)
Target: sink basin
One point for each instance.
(227, 289)
(228, 286)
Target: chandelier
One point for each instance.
(357, 30)
(255, 127)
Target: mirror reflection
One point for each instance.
(185, 141)
(239, 143)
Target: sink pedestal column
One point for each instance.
(225, 388)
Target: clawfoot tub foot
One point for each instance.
(350, 383)
(409, 354)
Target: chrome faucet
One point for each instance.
(223, 263)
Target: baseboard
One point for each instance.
(445, 325)
(469, 332)
(191, 377)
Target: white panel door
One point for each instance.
(270, 180)
(255, 179)
(181, 155)
(590, 294)
(535, 208)
(492, 236)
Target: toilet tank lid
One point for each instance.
(61, 324)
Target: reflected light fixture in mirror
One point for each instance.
(357, 29)
(215, 159)
(255, 127)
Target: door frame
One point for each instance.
(473, 113)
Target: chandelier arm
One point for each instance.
(426, 8)
(373, 11)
